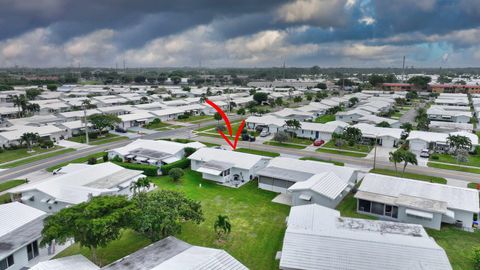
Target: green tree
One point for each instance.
(279, 101)
(384, 124)
(260, 97)
(322, 86)
(217, 117)
(161, 213)
(297, 99)
(281, 137)
(407, 127)
(459, 142)
(352, 135)
(420, 81)
(30, 139)
(396, 157)
(91, 224)
(104, 121)
(19, 101)
(222, 226)
(142, 184)
(52, 87)
(32, 93)
(241, 111)
(176, 174)
(408, 158)
(293, 123)
(353, 101)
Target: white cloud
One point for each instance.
(367, 20)
(322, 13)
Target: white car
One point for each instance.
(425, 153)
(264, 133)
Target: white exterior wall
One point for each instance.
(348, 118)
(434, 223)
(388, 141)
(315, 198)
(417, 145)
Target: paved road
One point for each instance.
(470, 177)
(14, 173)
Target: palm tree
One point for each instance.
(140, 185)
(30, 139)
(203, 99)
(86, 103)
(407, 127)
(293, 123)
(408, 157)
(396, 157)
(19, 101)
(459, 142)
(222, 225)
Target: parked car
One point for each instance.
(264, 133)
(425, 153)
(121, 130)
(318, 142)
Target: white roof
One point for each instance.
(238, 159)
(370, 118)
(15, 215)
(266, 120)
(77, 185)
(327, 184)
(167, 111)
(288, 112)
(74, 124)
(318, 238)
(168, 147)
(78, 113)
(438, 137)
(465, 199)
(74, 262)
(136, 115)
(440, 111)
(45, 130)
(329, 127)
(373, 131)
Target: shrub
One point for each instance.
(148, 170)
(182, 164)
(117, 159)
(476, 258)
(46, 144)
(435, 157)
(105, 157)
(92, 160)
(175, 174)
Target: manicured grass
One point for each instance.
(36, 158)
(197, 118)
(210, 144)
(258, 224)
(356, 147)
(128, 243)
(211, 131)
(473, 160)
(338, 163)
(156, 126)
(10, 155)
(78, 160)
(348, 208)
(287, 145)
(458, 244)
(340, 152)
(303, 141)
(5, 198)
(325, 118)
(421, 177)
(107, 138)
(472, 185)
(453, 167)
(397, 115)
(11, 184)
(257, 152)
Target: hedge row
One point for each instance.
(182, 163)
(148, 170)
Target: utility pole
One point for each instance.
(375, 152)
(85, 104)
(403, 70)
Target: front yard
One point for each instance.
(257, 152)
(473, 160)
(10, 155)
(258, 225)
(59, 150)
(421, 177)
(197, 119)
(357, 150)
(106, 138)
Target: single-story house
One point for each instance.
(418, 140)
(152, 152)
(74, 184)
(351, 116)
(74, 262)
(319, 131)
(135, 119)
(447, 127)
(288, 113)
(318, 237)
(272, 123)
(20, 236)
(375, 120)
(12, 137)
(169, 113)
(439, 114)
(74, 127)
(387, 137)
(282, 173)
(225, 166)
(420, 202)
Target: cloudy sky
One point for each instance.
(246, 33)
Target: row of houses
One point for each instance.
(434, 88)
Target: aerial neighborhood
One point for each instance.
(232, 135)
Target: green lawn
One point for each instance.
(10, 155)
(356, 147)
(325, 118)
(211, 131)
(421, 177)
(258, 225)
(36, 158)
(458, 244)
(473, 160)
(287, 145)
(5, 198)
(78, 160)
(197, 118)
(11, 184)
(338, 163)
(453, 167)
(340, 152)
(303, 141)
(257, 152)
(157, 126)
(128, 243)
(348, 208)
(107, 138)
(472, 185)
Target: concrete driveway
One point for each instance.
(382, 153)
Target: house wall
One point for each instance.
(416, 145)
(20, 259)
(348, 118)
(273, 184)
(315, 198)
(434, 223)
(464, 216)
(388, 141)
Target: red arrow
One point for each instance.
(227, 122)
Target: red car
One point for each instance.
(318, 142)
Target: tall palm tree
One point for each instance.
(222, 225)
(396, 157)
(29, 138)
(86, 103)
(408, 157)
(19, 101)
(140, 185)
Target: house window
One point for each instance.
(6, 263)
(32, 250)
(391, 211)
(364, 205)
(226, 172)
(377, 208)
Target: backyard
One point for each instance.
(258, 224)
(325, 118)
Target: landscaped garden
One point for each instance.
(197, 119)
(258, 225)
(357, 150)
